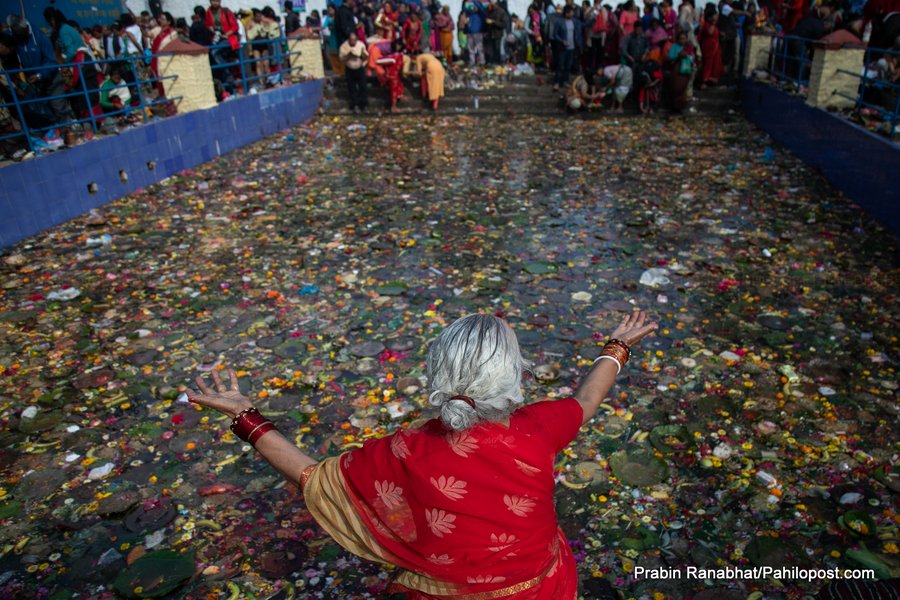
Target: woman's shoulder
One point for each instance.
(558, 421)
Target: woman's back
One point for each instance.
(469, 500)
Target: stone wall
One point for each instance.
(38, 194)
(835, 71)
(310, 59)
(758, 47)
(193, 81)
(860, 163)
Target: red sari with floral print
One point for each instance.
(472, 510)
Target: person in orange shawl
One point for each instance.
(386, 61)
(432, 72)
(462, 504)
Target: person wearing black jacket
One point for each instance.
(728, 33)
(199, 34)
(344, 21)
(496, 22)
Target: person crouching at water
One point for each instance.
(432, 73)
(462, 504)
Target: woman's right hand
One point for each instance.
(228, 401)
(634, 328)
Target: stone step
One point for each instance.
(443, 111)
(518, 94)
(509, 99)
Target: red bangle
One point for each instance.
(259, 432)
(247, 422)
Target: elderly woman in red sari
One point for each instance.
(476, 518)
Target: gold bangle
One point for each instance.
(241, 414)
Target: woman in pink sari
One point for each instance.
(463, 504)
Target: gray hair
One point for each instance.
(476, 356)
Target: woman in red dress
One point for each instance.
(463, 504)
(412, 34)
(386, 61)
(388, 19)
(711, 48)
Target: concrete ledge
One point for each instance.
(860, 163)
(38, 194)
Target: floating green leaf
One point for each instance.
(638, 467)
(540, 268)
(155, 575)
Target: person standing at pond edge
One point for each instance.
(484, 496)
(355, 57)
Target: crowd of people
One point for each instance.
(597, 53)
(655, 53)
(103, 71)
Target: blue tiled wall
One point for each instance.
(38, 194)
(863, 165)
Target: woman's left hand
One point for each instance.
(634, 328)
(228, 401)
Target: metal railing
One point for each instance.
(226, 63)
(790, 60)
(21, 107)
(877, 94)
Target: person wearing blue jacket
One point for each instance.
(567, 33)
(475, 10)
(36, 52)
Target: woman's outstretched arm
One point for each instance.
(281, 453)
(600, 379)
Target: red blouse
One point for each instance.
(475, 507)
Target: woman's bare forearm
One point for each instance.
(282, 454)
(595, 387)
(602, 376)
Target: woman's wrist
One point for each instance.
(241, 407)
(249, 425)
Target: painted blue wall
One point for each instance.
(87, 12)
(863, 165)
(38, 194)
